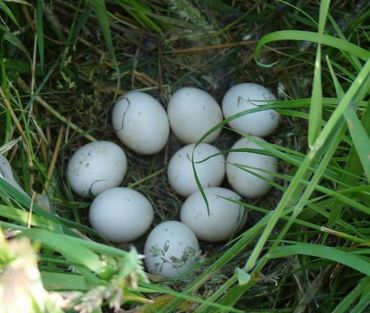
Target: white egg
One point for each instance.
(210, 172)
(242, 168)
(192, 112)
(121, 214)
(225, 217)
(171, 249)
(248, 96)
(6, 173)
(141, 122)
(95, 167)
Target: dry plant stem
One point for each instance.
(28, 17)
(139, 182)
(53, 159)
(145, 79)
(60, 117)
(311, 291)
(23, 135)
(33, 68)
(212, 47)
(29, 219)
(89, 45)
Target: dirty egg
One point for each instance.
(248, 96)
(171, 249)
(95, 167)
(140, 122)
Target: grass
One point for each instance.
(305, 245)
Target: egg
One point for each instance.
(248, 96)
(192, 112)
(121, 214)
(6, 173)
(141, 122)
(95, 167)
(171, 249)
(210, 172)
(225, 218)
(242, 168)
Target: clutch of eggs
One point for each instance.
(142, 124)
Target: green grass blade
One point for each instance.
(293, 192)
(315, 117)
(40, 31)
(12, 39)
(324, 9)
(63, 281)
(354, 94)
(300, 35)
(156, 288)
(344, 305)
(360, 138)
(103, 19)
(78, 24)
(355, 262)
(24, 217)
(351, 58)
(8, 12)
(297, 8)
(104, 22)
(67, 247)
(140, 12)
(353, 168)
(363, 304)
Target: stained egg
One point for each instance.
(248, 96)
(140, 122)
(95, 167)
(171, 249)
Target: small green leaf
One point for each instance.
(67, 247)
(12, 39)
(315, 119)
(8, 12)
(353, 261)
(104, 22)
(63, 281)
(243, 276)
(40, 31)
(301, 35)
